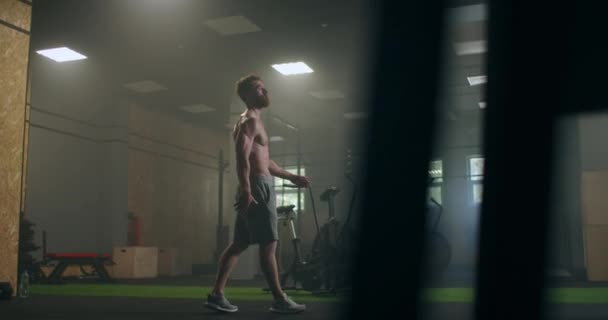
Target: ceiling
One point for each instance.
(168, 42)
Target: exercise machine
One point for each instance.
(327, 268)
(333, 246)
(306, 273)
(439, 251)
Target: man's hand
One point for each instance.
(300, 181)
(244, 202)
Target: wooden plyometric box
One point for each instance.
(594, 188)
(135, 262)
(167, 262)
(597, 252)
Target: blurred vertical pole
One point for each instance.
(220, 194)
(525, 90)
(388, 269)
(299, 148)
(222, 232)
(44, 245)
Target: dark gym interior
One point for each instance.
(455, 152)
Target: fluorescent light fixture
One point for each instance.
(61, 54)
(229, 26)
(477, 80)
(470, 47)
(292, 68)
(471, 13)
(197, 108)
(146, 86)
(327, 94)
(276, 139)
(482, 105)
(355, 115)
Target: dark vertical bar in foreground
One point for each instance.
(525, 90)
(388, 269)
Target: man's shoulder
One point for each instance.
(249, 124)
(249, 119)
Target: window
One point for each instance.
(436, 179)
(477, 192)
(476, 168)
(289, 196)
(436, 171)
(476, 177)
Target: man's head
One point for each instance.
(252, 91)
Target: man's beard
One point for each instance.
(262, 102)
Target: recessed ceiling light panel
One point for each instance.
(327, 94)
(62, 54)
(355, 115)
(233, 25)
(197, 108)
(470, 47)
(477, 80)
(146, 86)
(292, 68)
(470, 13)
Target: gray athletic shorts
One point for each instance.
(259, 223)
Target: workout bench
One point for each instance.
(97, 261)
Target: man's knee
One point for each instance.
(237, 247)
(268, 248)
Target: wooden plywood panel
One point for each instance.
(16, 13)
(168, 262)
(14, 48)
(173, 186)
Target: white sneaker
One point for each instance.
(220, 303)
(286, 305)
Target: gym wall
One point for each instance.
(579, 226)
(77, 178)
(593, 129)
(579, 230)
(455, 143)
(85, 176)
(173, 184)
(566, 238)
(15, 20)
(460, 219)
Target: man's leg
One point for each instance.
(282, 303)
(226, 263)
(268, 263)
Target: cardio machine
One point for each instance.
(324, 270)
(305, 272)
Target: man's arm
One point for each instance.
(244, 144)
(300, 181)
(277, 171)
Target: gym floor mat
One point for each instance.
(46, 307)
(184, 292)
(554, 295)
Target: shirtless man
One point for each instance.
(256, 220)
